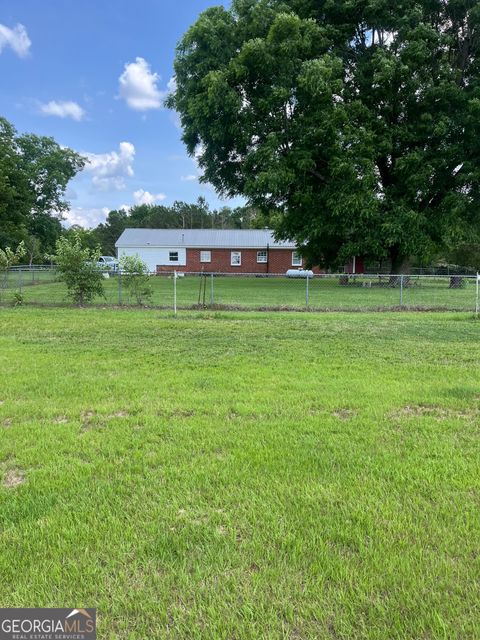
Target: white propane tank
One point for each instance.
(299, 273)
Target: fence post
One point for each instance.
(20, 280)
(175, 293)
(307, 291)
(212, 296)
(401, 290)
(477, 303)
(119, 287)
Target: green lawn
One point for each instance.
(368, 292)
(241, 475)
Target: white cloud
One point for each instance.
(16, 38)
(110, 169)
(85, 217)
(199, 151)
(138, 86)
(190, 178)
(172, 85)
(145, 197)
(63, 109)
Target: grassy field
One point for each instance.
(242, 476)
(365, 293)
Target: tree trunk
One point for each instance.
(400, 264)
(456, 282)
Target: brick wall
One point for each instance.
(279, 261)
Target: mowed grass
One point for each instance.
(363, 293)
(242, 476)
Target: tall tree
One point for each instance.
(34, 173)
(107, 233)
(354, 124)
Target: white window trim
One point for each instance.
(202, 256)
(236, 264)
(298, 262)
(170, 257)
(262, 261)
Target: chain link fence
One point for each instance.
(41, 285)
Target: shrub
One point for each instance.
(18, 299)
(78, 268)
(9, 258)
(135, 278)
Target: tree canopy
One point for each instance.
(34, 173)
(355, 124)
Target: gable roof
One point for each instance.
(202, 239)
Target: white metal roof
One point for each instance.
(202, 239)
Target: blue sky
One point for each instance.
(93, 74)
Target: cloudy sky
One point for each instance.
(93, 74)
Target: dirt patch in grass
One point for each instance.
(91, 419)
(88, 419)
(119, 414)
(7, 422)
(13, 478)
(344, 414)
(61, 420)
(434, 411)
(177, 413)
(418, 411)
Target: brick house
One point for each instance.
(210, 250)
(247, 251)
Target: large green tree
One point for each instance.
(354, 123)
(108, 232)
(34, 173)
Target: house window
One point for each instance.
(296, 259)
(236, 259)
(173, 256)
(262, 256)
(205, 256)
